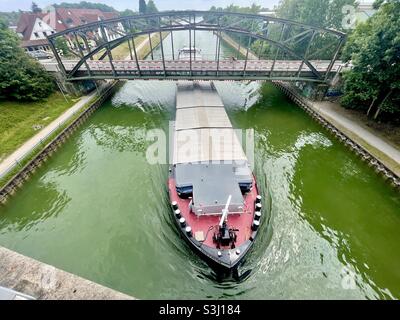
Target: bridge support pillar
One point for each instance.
(75, 88)
(313, 91)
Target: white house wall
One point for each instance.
(40, 27)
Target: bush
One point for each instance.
(21, 77)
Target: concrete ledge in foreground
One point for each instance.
(46, 282)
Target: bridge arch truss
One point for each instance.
(285, 50)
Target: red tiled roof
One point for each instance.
(30, 43)
(54, 20)
(70, 17)
(60, 19)
(110, 15)
(26, 22)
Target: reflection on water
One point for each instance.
(99, 210)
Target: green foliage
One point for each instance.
(151, 7)
(85, 5)
(11, 18)
(127, 13)
(374, 50)
(142, 6)
(61, 45)
(319, 13)
(21, 77)
(35, 8)
(243, 24)
(18, 118)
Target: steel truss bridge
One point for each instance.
(285, 50)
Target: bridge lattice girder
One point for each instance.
(287, 39)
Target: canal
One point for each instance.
(98, 209)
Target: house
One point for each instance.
(33, 28)
(33, 31)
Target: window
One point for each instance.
(36, 34)
(45, 33)
(40, 24)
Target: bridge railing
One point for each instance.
(270, 38)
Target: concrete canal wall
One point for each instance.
(37, 279)
(231, 42)
(45, 282)
(381, 166)
(17, 181)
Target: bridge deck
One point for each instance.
(200, 69)
(205, 65)
(203, 131)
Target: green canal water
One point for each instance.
(98, 209)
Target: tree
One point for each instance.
(62, 46)
(35, 8)
(373, 84)
(85, 5)
(319, 13)
(151, 7)
(10, 17)
(21, 77)
(142, 6)
(127, 12)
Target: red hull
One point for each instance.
(208, 224)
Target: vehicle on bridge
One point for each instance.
(40, 54)
(191, 53)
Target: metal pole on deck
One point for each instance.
(277, 51)
(219, 45)
(81, 54)
(162, 47)
(240, 42)
(59, 61)
(306, 54)
(151, 47)
(103, 33)
(194, 36)
(130, 50)
(190, 46)
(172, 41)
(136, 57)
